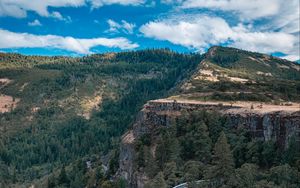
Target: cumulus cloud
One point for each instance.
(202, 31)
(275, 24)
(19, 8)
(115, 27)
(279, 14)
(35, 23)
(82, 46)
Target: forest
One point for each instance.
(51, 146)
(202, 146)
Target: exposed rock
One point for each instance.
(263, 125)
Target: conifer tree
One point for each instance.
(158, 181)
(63, 178)
(222, 161)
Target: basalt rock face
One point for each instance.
(277, 125)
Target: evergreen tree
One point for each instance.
(202, 143)
(222, 161)
(51, 182)
(170, 171)
(285, 176)
(158, 181)
(63, 178)
(245, 177)
(193, 170)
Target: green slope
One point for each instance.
(71, 109)
(233, 74)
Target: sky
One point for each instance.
(82, 27)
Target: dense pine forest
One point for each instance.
(45, 140)
(202, 146)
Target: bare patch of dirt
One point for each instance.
(7, 103)
(208, 75)
(23, 87)
(264, 73)
(215, 75)
(297, 67)
(89, 103)
(283, 66)
(4, 82)
(128, 138)
(187, 86)
(236, 79)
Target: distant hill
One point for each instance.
(233, 74)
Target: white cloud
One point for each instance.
(201, 31)
(100, 3)
(276, 14)
(275, 24)
(58, 16)
(197, 34)
(35, 23)
(82, 46)
(247, 9)
(19, 8)
(115, 27)
(291, 57)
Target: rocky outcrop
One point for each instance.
(266, 125)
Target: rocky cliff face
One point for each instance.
(276, 124)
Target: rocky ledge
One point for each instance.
(265, 122)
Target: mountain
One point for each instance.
(62, 118)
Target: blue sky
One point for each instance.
(80, 27)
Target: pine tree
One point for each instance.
(63, 178)
(50, 182)
(222, 160)
(202, 142)
(158, 181)
(246, 176)
(170, 171)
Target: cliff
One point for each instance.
(264, 121)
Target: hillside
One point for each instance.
(58, 112)
(233, 74)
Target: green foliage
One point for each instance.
(223, 162)
(63, 178)
(246, 176)
(285, 176)
(157, 181)
(55, 135)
